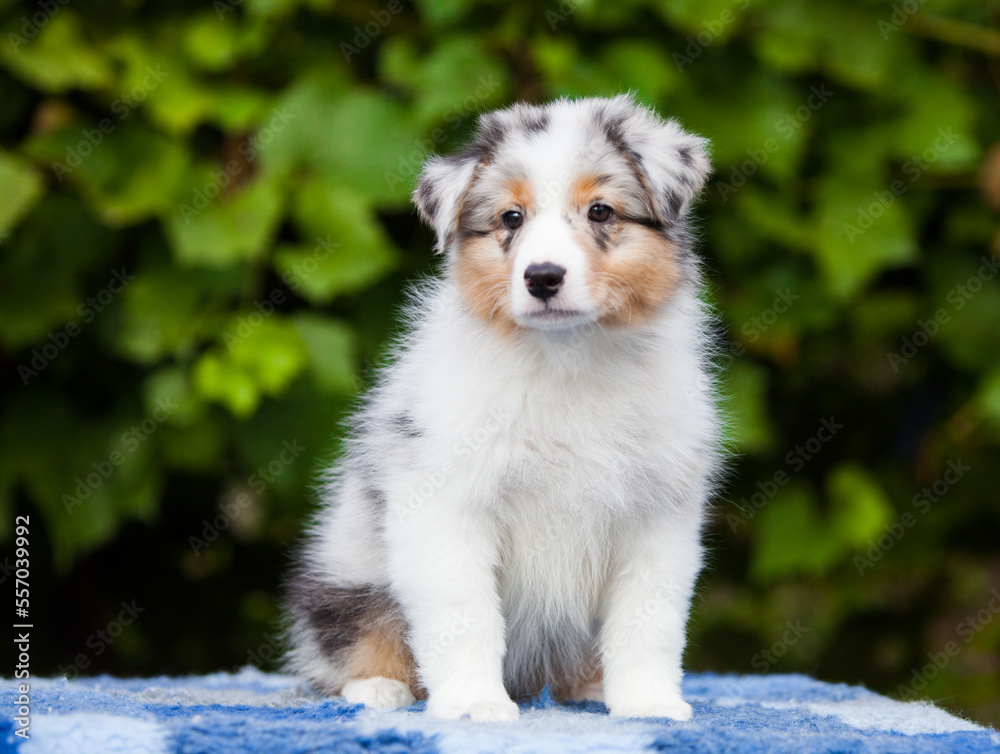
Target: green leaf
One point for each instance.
(761, 127)
(937, 132)
(125, 171)
(274, 9)
(988, 396)
(714, 20)
(264, 353)
(218, 223)
(862, 230)
(443, 13)
(843, 41)
(643, 67)
(775, 217)
(351, 251)
(171, 386)
(332, 349)
(211, 41)
(59, 58)
(361, 139)
(22, 187)
(168, 311)
(41, 271)
(966, 303)
(220, 380)
(859, 507)
(457, 81)
(569, 73)
(86, 481)
(161, 82)
(792, 537)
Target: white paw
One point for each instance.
(493, 710)
(675, 709)
(378, 692)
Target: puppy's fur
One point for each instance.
(521, 497)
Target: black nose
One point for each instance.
(543, 280)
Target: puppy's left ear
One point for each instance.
(671, 163)
(439, 192)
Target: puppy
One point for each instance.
(520, 500)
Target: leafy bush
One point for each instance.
(205, 231)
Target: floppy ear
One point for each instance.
(671, 163)
(439, 192)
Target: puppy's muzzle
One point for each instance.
(543, 280)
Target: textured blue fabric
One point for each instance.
(257, 712)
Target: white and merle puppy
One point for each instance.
(521, 497)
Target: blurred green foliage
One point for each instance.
(205, 233)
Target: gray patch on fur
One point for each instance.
(338, 615)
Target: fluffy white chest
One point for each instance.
(570, 466)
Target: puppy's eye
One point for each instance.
(512, 219)
(600, 213)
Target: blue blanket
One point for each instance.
(258, 712)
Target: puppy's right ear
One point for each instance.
(439, 193)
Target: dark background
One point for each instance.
(247, 165)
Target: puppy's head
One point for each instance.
(566, 214)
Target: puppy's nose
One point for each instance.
(543, 280)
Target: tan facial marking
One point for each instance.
(519, 194)
(483, 272)
(383, 651)
(633, 278)
(483, 268)
(584, 190)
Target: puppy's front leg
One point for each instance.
(442, 560)
(645, 613)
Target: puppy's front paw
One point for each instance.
(378, 692)
(482, 710)
(674, 708)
